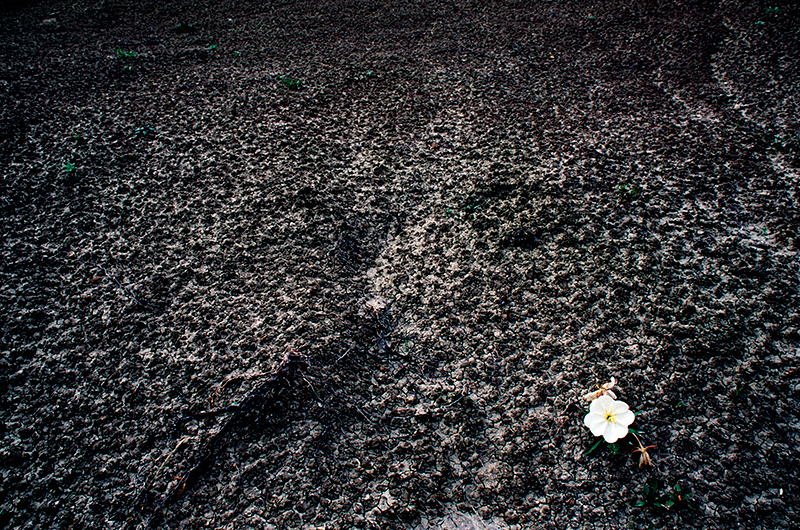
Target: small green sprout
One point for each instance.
(236, 54)
(650, 493)
(739, 391)
(212, 47)
(627, 192)
(290, 83)
(122, 54)
(675, 499)
(69, 167)
(183, 27)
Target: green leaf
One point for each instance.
(592, 448)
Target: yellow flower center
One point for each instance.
(611, 416)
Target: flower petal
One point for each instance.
(614, 432)
(619, 406)
(600, 428)
(625, 418)
(601, 405)
(593, 419)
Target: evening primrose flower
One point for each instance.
(609, 418)
(604, 390)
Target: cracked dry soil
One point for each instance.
(463, 216)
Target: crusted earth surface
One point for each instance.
(451, 219)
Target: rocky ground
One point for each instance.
(454, 217)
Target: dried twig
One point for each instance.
(128, 291)
(253, 402)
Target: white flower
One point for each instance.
(609, 418)
(604, 390)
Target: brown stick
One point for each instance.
(205, 455)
